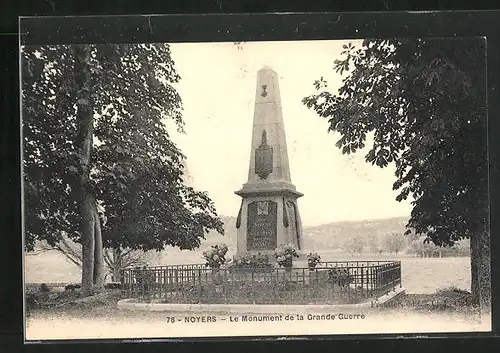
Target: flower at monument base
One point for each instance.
(284, 254)
(313, 259)
(252, 262)
(215, 257)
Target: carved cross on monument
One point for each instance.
(268, 215)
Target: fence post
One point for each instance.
(159, 280)
(304, 286)
(362, 280)
(141, 274)
(399, 275)
(199, 285)
(251, 288)
(393, 277)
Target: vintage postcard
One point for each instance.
(255, 188)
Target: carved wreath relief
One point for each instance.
(263, 158)
(292, 209)
(238, 219)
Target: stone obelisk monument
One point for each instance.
(268, 215)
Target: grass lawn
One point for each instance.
(103, 305)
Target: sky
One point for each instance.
(217, 87)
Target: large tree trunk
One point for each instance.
(481, 270)
(85, 122)
(99, 267)
(88, 246)
(117, 265)
(474, 285)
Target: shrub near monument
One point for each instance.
(313, 260)
(285, 255)
(215, 257)
(258, 262)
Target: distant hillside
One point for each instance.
(328, 236)
(229, 237)
(333, 235)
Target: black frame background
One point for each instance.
(224, 27)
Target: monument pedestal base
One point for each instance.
(267, 221)
(302, 257)
(301, 262)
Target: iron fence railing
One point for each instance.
(329, 283)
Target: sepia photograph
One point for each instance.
(255, 188)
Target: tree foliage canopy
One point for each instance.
(354, 245)
(136, 170)
(424, 102)
(395, 242)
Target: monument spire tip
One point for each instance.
(267, 68)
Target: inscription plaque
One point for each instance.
(262, 227)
